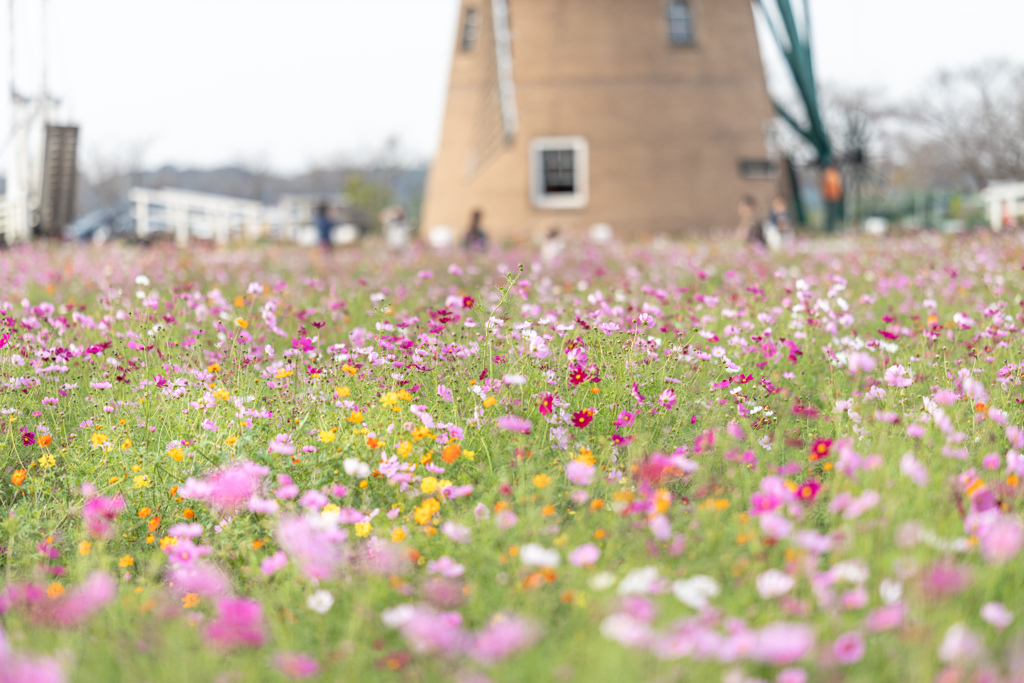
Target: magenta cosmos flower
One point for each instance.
(583, 418)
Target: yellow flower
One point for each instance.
(541, 481)
(330, 511)
(362, 529)
(190, 600)
(242, 322)
(46, 460)
(404, 449)
(428, 485)
(355, 418)
(125, 561)
(166, 541)
(213, 367)
(54, 591)
(327, 437)
(282, 373)
(98, 439)
(404, 395)
(349, 369)
(222, 394)
(231, 440)
(140, 481)
(342, 392)
(126, 444)
(490, 401)
(425, 511)
(84, 548)
(398, 535)
(176, 454)
(469, 455)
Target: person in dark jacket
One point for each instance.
(324, 224)
(476, 238)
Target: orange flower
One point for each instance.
(541, 481)
(19, 477)
(188, 513)
(451, 452)
(154, 522)
(44, 440)
(190, 600)
(125, 561)
(145, 512)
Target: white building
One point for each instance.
(1004, 204)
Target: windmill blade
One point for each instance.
(506, 76)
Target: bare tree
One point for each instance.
(968, 130)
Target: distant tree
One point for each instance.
(968, 129)
(368, 197)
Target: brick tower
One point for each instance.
(649, 115)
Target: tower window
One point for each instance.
(470, 29)
(559, 173)
(680, 23)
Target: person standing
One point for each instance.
(324, 225)
(476, 238)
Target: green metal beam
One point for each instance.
(795, 43)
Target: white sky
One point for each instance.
(288, 83)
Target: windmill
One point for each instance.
(792, 34)
(40, 156)
(649, 115)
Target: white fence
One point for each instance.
(187, 214)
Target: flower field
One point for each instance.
(630, 464)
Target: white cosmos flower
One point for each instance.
(773, 583)
(639, 581)
(320, 601)
(536, 555)
(697, 591)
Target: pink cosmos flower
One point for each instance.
(199, 578)
(584, 555)
(185, 553)
(914, 469)
(625, 419)
(1002, 540)
(296, 665)
(83, 601)
(776, 526)
(446, 566)
(667, 399)
(995, 613)
(505, 635)
(314, 544)
(98, 512)
(228, 489)
(781, 643)
(943, 580)
(898, 376)
(885, 618)
(456, 532)
(429, 632)
(580, 473)
(274, 563)
(281, 445)
(960, 645)
(185, 530)
(792, 675)
(849, 648)
(515, 423)
(239, 623)
(862, 362)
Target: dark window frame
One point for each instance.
(471, 24)
(680, 24)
